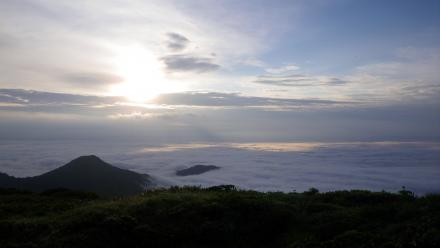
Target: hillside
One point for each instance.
(219, 217)
(88, 173)
(196, 170)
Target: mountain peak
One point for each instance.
(87, 160)
(84, 173)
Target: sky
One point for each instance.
(220, 71)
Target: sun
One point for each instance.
(143, 75)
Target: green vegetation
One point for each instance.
(219, 217)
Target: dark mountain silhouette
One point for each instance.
(196, 170)
(88, 173)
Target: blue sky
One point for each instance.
(221, 70)
(339, 35)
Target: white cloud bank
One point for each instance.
(258, 166)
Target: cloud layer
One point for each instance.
(209, 116)
(189, 99)
(258, 166)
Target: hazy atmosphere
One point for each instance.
(281, 95)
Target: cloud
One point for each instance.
(283, 69)
(6, 97)
(209, 117)
(335, 81)
(7, 41)
(414, 78)
(145, 115)
(254, 62)
(188, 63)
(299, 80)
(235, 100)
(177, 42)
(91, 79)
(189, 99)
(430, 92)
(32, 97)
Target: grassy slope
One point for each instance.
(193, 217)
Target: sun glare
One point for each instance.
(143, 75)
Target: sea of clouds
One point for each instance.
(259, 166)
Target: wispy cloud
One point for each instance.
(91, 79)
(177, 42)
(31, 97)
(283, 69)
(188, 63)
(254, 62)
(188, 99)
(299, 80)
(412, 77)
(231, 99)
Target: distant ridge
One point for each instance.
(88, 173)
(196, 170)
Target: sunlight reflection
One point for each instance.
(272, 147)
(279, 146)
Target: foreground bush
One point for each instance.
(221, 216)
